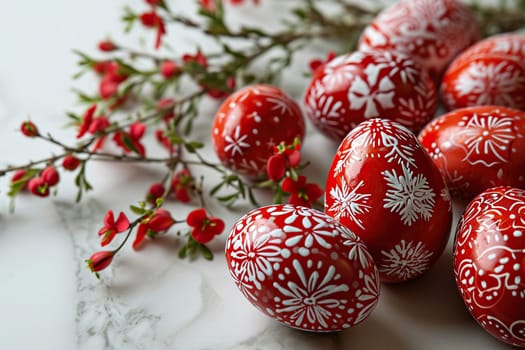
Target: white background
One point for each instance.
(151, 300)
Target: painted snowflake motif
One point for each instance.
(490, 84)
(408, 195)
(259, 254)
(236, 143)
(310, 301)
(487, 139)
(325, 111)
(406, 260)
(349, 203)
(371, 93)
(378, 133)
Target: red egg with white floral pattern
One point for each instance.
(385, 188)
(299, 266)
(250, 123)
(430, 31)
(363, 85)
(489, 262)
(477, 148)
(491, 72)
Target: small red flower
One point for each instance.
(181, 185)
(155, 191)
(107, 46)
(107, 88)
(50, 176)
(204, 228)
(154, 2)
(100, 260)
(316, 63)
(98, 124)
(70, 162)
(112, 227)
(130, 141)
(285, 156)
(301, 193)
(164, 140)
(152, 20)
(208, 5)
(157, 223)
(168, 69)
(38, 187)
(29, 129)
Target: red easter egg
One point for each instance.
(299, 266)
(356, 87)
(477, 148)
(430, 31)
(491, 72)
(384, 187)
(489, 262)
(250, 123)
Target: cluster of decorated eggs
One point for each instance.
(387, 214)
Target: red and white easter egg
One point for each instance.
(384, 187)
(356, 87)
(431, 31)
(302, 268)
(491, 72)
(250, 123)
(477, 148)
(489, 262)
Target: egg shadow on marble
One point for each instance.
(431, 299)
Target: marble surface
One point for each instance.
(151, 299)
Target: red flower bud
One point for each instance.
(18, 175)
(107, 88)
(155, 191)
(50, 175)
(107, 46)
(70, 162)
(100, 260)
(169, 69)
(29, 129)
(276, 167)
(38, 187)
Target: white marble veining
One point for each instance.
(151, 299)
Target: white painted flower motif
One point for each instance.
(368, 296)
(398, 64)
(408, 195)
(311, 301)
(371, 93)
(490, 84)
(487, 139)
(349, 203)
(258, 253)
(312, 229)
(236, 142)
(406, 260)
(325, 111)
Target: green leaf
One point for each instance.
(183, 252)
(137, 210)
(206, 252)
(216, 188)
(129, 143)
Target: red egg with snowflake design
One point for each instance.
(359, 86)
(489, 262)
(491, 72)
(250, 123)
(299, 266)
(430, 31)
(385, 188)
(477, 148)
